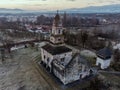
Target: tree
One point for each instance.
(6, 42)
(70, 38)
(82, 37)
(116, 55)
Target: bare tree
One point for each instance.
(82, 37)
(117, 55)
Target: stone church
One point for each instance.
(60, 59)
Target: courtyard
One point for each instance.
(23, 72)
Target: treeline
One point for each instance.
(16, 25)
(85, 39)
(69, 21)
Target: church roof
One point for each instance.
(81, 60)
(104, 53)
(56, 50)
(57, 19)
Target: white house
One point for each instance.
(104, 58)
(59, 58)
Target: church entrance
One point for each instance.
(47, 66)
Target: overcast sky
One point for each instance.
(53, 4)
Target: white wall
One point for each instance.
(47, 55)
(104, 63)
(55, 30)
(51, 57)
(67, 56)
(58, 75)
(56, 39)
(75, 73)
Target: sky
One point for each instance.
(53, 4)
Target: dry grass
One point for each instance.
(19, 73)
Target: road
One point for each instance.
(109, 72)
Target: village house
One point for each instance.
(60, 60)
(104, 57)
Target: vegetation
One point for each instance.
(91, 60)
(111, 81)
(116, 58)
(96, 84)
(82, 37)
(85, 40)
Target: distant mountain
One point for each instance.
(115, 8)
(5, 10)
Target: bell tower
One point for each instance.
(57, 31)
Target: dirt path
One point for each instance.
(110, 72)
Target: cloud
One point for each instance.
(39, 4)
(54, 4)
(36, 0)
(71, 0)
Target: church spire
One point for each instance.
(57, 11)
(57, 30)
(57, 20)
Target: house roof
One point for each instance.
(104, 53)
(81, 60)
(73, 58)
(56, 50)
(57, 19)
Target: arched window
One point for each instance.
(59, 31)
(59, 39)
(44, 57)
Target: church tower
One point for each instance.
(57, 31)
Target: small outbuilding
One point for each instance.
(104, 58)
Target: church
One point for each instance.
(60, 59)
